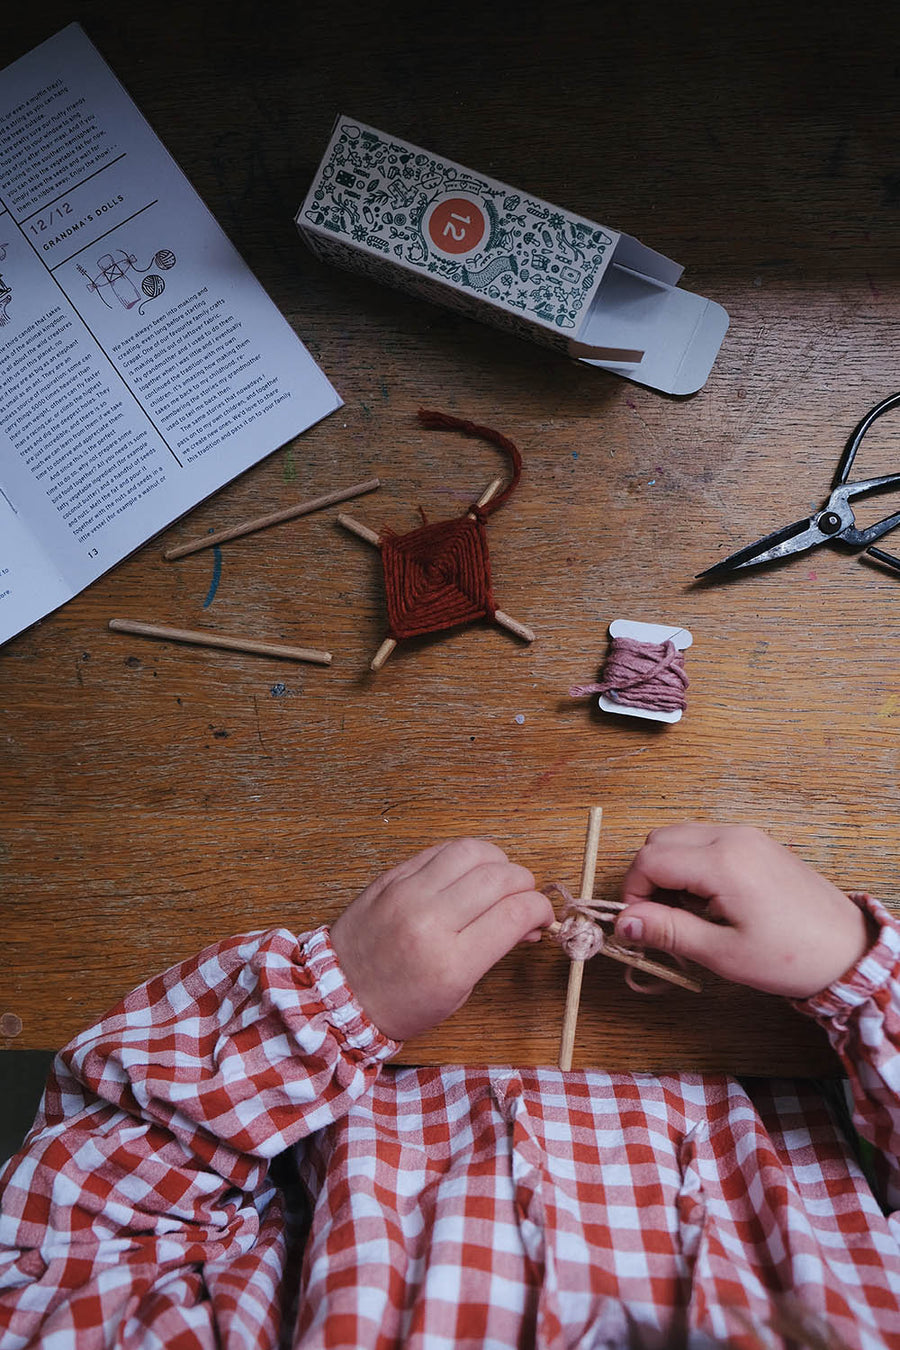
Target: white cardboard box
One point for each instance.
(380, 206)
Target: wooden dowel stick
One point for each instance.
(490, 491)
(570, 1016)
(576, 968)
(233, 644)
(514, 626)
(591, 846)
(275, 518)
(382, 654)
(356, 527)
(652, 967)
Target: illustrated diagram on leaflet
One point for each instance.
(5, 293)
(115, 273)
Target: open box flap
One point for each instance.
(648, 330)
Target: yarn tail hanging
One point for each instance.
(436, 421)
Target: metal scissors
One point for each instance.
(833, 522)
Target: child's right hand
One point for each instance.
(417, 941)
(757, 914)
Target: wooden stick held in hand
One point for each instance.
(576, 968)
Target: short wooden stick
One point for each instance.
(505, 620)
(520, 630)
(570, 1016)
(490, 491)
(357, 527)
(275, 518)
(233, 644)
(591, 846)
(382, 654)
(641, 962)
(576, 968)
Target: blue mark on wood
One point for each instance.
(216, 576)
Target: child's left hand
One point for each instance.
(415, 943)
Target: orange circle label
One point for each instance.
(457, 225)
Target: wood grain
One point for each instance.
(157, 796)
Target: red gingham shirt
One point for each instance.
(224, 1161)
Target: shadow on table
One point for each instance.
(23, 1074)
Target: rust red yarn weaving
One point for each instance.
(439, 575)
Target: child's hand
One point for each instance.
(417, 941)
(757, 914)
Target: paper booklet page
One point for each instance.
(142, 365)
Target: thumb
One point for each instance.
(673, 930)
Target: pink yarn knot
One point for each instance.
(580, 934)
(579, 937)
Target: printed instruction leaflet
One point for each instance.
(142, 366)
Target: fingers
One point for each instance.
(463, 877)
(490, 903)
(443, 865)
(514, 918)
(478, 890)
(678, 858)
(677, 931)
(428, 872)
(439, 864)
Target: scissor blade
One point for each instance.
(796, 538)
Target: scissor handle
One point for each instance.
(849, 455)
(862, 487)
(860, 538)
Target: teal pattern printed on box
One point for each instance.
(390, 210)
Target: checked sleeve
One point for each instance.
(861, 1014)
(140, 1209)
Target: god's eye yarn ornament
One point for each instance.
(439, 575)
(581, 936)
(644, 674)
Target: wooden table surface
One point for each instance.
(158, 797)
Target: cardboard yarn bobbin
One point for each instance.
(658, 648)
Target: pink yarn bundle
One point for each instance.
(648, 675)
